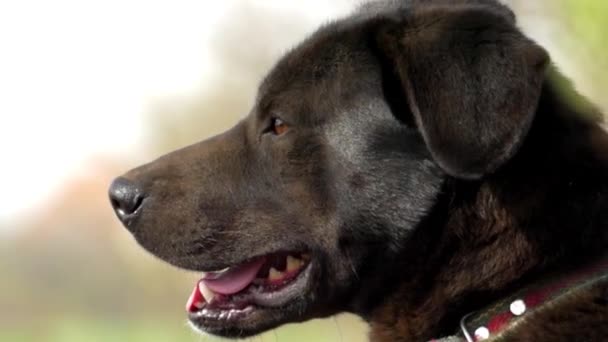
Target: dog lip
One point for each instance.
(268, 273)
(214, 318)
(211, 269)
(207, 305)
(214, 274)
(221, 315)
(285, 294)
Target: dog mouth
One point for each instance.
(235, 293)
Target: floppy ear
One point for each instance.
(471, 79)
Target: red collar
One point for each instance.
(491, 321)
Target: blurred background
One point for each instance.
(90, 89)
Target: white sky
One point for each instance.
(76, 77)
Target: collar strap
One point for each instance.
(490, 322)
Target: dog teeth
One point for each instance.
(293, 264)
(273, 274)
(206, 292)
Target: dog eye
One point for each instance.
(278, 126)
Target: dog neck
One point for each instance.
(508, 312)
(545, 211)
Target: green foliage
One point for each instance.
(585, 24)
(588, 21)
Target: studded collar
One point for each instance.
(491, 321)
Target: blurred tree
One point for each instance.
(586, 22)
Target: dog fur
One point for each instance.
(435, 161)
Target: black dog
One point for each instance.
(412, 163)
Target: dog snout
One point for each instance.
(127, 199)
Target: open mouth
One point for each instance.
(263, 282)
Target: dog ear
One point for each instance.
(471, 79)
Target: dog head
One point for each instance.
(307, 205)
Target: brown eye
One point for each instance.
(278, 127)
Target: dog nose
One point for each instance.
(126, 198)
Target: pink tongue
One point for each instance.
(235, 279)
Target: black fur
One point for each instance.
(433, 163)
